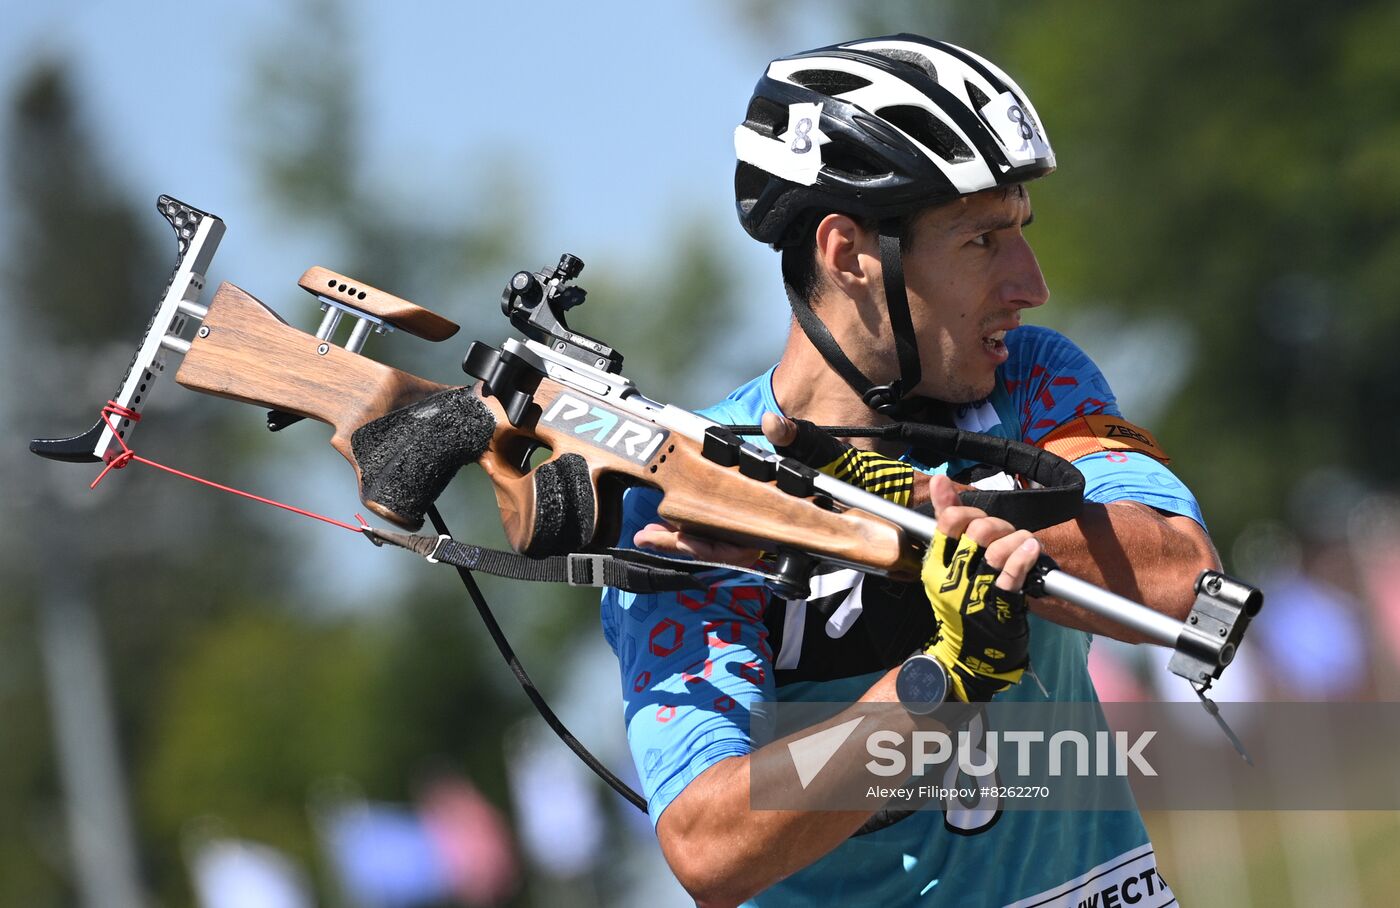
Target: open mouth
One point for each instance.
(995, 342)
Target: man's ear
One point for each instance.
(845, 252)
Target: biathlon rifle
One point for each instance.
(560, 393)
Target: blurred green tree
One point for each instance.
(82, 269)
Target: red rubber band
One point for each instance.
(127, 456)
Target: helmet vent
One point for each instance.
(851, 160)
(828, 81)
(766, 117)
(749, 183)
(932, 132)
(910, 58)
(977, 97)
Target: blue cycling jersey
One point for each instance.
(692, 664)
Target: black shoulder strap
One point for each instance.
(820, 336)
(632, 570)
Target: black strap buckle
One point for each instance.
(585, 569)
(884, 399)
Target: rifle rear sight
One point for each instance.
(535, 303)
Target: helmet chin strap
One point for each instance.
(889, 399)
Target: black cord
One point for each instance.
(528, 685)
(879, 821)
(887, 431)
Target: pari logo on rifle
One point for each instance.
(606, 426)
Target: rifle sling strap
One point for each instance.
(626, 569)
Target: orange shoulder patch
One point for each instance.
(1091, 434)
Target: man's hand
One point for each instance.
(665, 537)
(973, 575)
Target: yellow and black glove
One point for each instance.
(876, 473)
(983, 638)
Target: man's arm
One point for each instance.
(1141, 534)
(1130, 548)
(722, 850)
(1127, 547)
(1134, 550)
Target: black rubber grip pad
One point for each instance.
(563, 507)
(408, 457)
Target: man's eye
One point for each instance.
(983, 239)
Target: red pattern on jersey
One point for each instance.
(662, 627)
(1088, 402)
(1046, 399)
(747, 602)
(694, 604)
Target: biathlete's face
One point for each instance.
(970, 272)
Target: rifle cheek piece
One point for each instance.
(407, 457)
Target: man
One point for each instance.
(892, 173)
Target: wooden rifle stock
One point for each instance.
(250, 354)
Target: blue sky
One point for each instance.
(642, 101)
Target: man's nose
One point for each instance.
(1025, 284)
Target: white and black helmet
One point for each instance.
(878, 129)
